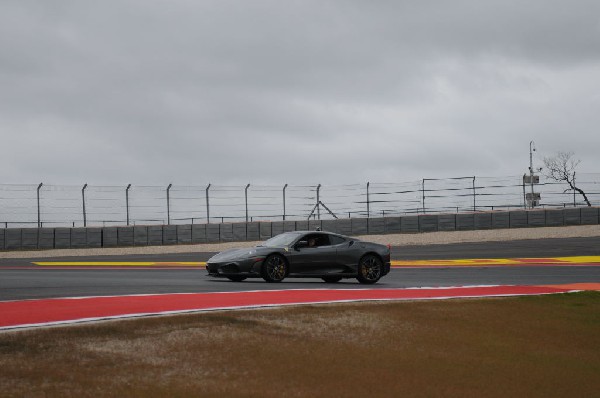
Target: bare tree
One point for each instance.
(561, 167)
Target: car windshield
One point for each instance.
(281, 240)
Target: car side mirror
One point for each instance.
(351, 243)
(301, 243)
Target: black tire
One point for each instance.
(236, 278)
(275, 268)
(332, 279)
(370, 269)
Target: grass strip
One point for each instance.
(542, 346)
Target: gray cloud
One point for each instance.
(272, 92)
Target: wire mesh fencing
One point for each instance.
(44, 205)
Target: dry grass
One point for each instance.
(533, 346)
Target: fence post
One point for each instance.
(168, 205)
(246, 194)
(474, 195)
(207, 206)
(423, 189)
(318, 202)
(284, 187)
(127, 202)
(368, 203)
(83, 199)
(38, 206)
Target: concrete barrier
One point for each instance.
(465, 222)
(62, 238)
(392, 225)
(555, 218)
(482, 220)
(184, 234)
(94, 237)
(572, 216)
(536, 218)
(265, 230)
(428, 223)
(239, 232)
(78, 238)
(47, 238)
(226, 232)
(140, 235)
(13, 239)
(253, 231)
(199, 233)
(277, 227)
(109, 237)
(500, 219)
(29, 238)
(409, 224)
(169, 234)
(155, 235)
(447, 222)
(359, 226)
(589, 215)
(125, 236)
(376, 226)
(213, 233)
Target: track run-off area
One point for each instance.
(49, 291)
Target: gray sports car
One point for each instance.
(304, 254)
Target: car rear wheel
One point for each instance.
(275, 268)
(332, 279)
(236, 278)
(370, 268)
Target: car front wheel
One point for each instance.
(275, 268)
(370, 268)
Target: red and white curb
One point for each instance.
(46, 312)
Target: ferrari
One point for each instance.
(304, 254)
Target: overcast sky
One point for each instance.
(273, 92)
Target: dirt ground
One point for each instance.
(542, 346)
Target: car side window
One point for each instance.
(336, 240)
(317, 240)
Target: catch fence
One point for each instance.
(46, 205)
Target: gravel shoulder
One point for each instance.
(428, 238)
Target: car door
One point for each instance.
(315, 258)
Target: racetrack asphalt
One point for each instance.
(20, 279)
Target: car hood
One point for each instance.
(234, 254)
